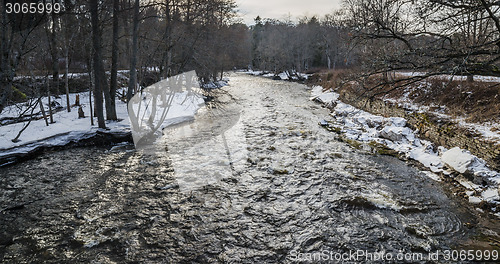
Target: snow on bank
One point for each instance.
(356, 124)
(487, 130)
(216, 85)
(69, 128)
(255, 73)
(449, 77)
(67, 125)
(286, 75)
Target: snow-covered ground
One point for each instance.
(392, 132)
(487, 130)
(282, 75)
(448, 77)
(215, 85)
(64, 122)
(68, 127)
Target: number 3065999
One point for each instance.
(33, 8)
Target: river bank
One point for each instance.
(430, 119)
(25, 132)
(438, 144)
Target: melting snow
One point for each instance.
(68, 127)
(392, 132)
(458, 159)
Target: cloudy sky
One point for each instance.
(279, 9)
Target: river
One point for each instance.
(254, 179)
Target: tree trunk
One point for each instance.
(5, 69)
(96, 43)
(53, 52)
(50, 102)
(69, 34)
(329, 60)
(126, 5)
(133, 59)
(90, 92)
(114, 63)
(110, 111)
(168, 40)
(66, 79)
(43, 111)
(109, 101)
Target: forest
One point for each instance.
(156, 39)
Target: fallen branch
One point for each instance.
(16, 139)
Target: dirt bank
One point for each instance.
(97, 138)
(432, 127)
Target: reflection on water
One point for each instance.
(208, 150)
(253, 181)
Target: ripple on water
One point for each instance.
(126, 206)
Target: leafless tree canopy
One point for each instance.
(155, 39)
(434, 36)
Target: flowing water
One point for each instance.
(254, 179)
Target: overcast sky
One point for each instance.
(279, 9)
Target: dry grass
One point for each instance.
(477, 101)
(330, 78)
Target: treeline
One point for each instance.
(375, 39)
(151, 39)
(312, 42)
(434, 37)
(154, 39)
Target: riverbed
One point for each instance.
(253, 179)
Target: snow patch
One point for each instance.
(392, 132)
(457, 159)
(283, 75)
(68, 127)
(432, 175)
(216, 85)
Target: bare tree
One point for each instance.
(133, 59)
(432, 36)
(97, 63)
(52, 33)
(69, 33)
(15, 31)
(114, 62)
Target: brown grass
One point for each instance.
(330, 78)
(477, 101)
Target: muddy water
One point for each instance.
(254, 179)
